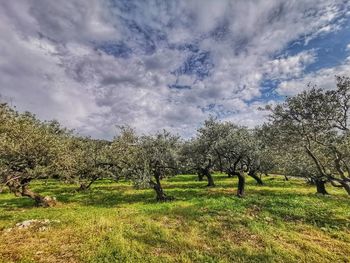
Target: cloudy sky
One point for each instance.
(94, 64)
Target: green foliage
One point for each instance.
(27, 146)
(86, 160)
(28, 150)
(315, 123)
(146, 160)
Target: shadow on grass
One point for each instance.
(107, 195)
(5, 217)
(223, 181)
(276, 198)
(286, 208)
(17, 203)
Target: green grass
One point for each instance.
(278, 222)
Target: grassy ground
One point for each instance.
(278, 222)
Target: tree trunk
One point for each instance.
(39, 199)
(253, 174)
(210, 178)
(341, 184)
(200, 176)
(14, 186)
(346, 187)
(286, 178)
(84, 186)
(320, 186)
(241, 184)
(20, 188)
(161, 196)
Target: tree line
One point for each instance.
(305, 136)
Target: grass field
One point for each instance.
(278, 222)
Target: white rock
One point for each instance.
(42, 224)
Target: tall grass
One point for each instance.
(282, 221)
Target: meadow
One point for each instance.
(281, 221)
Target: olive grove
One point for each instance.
(305, 136)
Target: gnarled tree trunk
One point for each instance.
(206, 172)
(86, 186)
(241, 184)
(253, 173)
(210, 178)
(320, 186)
(44, 201)
(241, 180)
(161, 196)
(341, 184)
(20, 188)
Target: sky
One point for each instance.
(153, 65)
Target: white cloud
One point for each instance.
(324, 79)
(50, 63)
(289, 67)
(348, 47)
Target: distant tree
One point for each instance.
(149, 159)
(255, 160)
(86, 161)
(195, 157)
(225, 147)
(239, 153)
(123, 151)
(28, 151)
(203, 150)
(270, 152)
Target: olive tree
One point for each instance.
(148, 159)
(271, 152)
(317, 121)
(239, 153)
(300, 165)
(202, 152)
(87, 161)
(195, 157)
(28, 151)
(123, 150)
